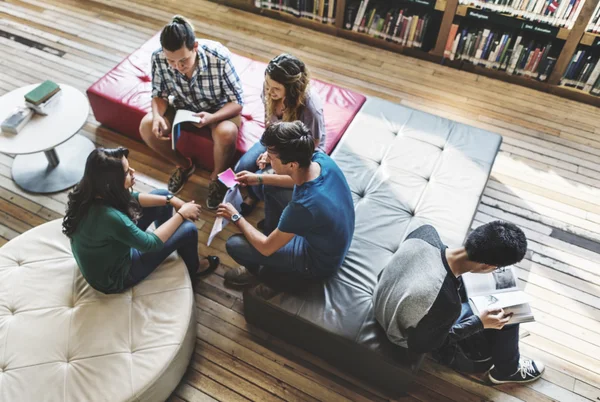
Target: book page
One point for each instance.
(499, 300)
(500, 280)
(233, 196)
(181, 117)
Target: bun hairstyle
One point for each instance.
(290, 141)
(292, 73)
(178, 33)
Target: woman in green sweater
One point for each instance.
(107, 224)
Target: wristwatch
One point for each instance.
(235, 217)
(169, 198)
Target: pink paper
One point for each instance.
(228, 178)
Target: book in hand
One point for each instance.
(181, 116)
(498, 290)
(42, 92)
(15, 121)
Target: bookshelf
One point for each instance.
(451, 12)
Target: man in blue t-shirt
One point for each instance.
(316, 227)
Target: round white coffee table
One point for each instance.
(50, 156)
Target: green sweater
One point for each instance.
(102, 246)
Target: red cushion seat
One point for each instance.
(121, 98)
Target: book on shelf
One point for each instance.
(400, 24)
(16, 120)
(501, 50)
(560, 13)
(583, 71)
(498, 290)
(316, 10)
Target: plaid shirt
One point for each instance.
(213, 84)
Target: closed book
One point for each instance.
(15, 121)
(593, 77)
(44, 108)
(450, 41)
(548, 66)
(42, 92)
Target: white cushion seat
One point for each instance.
(61, 340)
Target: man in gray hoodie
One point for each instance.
(417, 300)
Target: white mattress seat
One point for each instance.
(61, 340)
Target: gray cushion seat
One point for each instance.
(405, 168)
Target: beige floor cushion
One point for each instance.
(61, 340)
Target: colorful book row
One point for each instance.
(583, 72)
(594, 24)
(318, 10)
(561, 13)
(509, 52)
(399, 25)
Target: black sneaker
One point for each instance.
(239, 276)
(216, 193)
(528, 371)
(179, 177)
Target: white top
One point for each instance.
(42, 133)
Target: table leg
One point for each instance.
(53, 170)
(52, 157)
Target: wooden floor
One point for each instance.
(546, 179)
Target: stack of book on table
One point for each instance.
(38, 100)
(42, 97)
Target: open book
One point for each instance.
(498, 290)
(181, 117)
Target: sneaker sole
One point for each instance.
(499, 382)
(240, 283)
(183, 185)
(211, 208)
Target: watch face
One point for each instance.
(235, 217)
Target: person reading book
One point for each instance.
(106, 223)
(200, 77)
(417, 300)
(287, 96)
(313, 231)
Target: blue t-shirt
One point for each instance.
(321, 214)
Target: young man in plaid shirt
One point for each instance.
(201, 78)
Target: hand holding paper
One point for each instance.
(228, 178)
(233, 197)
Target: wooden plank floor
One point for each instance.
(546, 179)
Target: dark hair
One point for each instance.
(103, 181)
(496, 243)
(176, 34)
(293, 74)
(291, 141)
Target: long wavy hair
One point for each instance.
(292, 73)
(103, 181)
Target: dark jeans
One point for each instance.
(503, 344)
(184, 240)
(248, 162)
(287, 265)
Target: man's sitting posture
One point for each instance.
(200, 77)
(417, 301)
(314, 230)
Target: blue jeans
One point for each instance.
(184, 240)
(503, 343)
(248, 162)
(289, 263)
